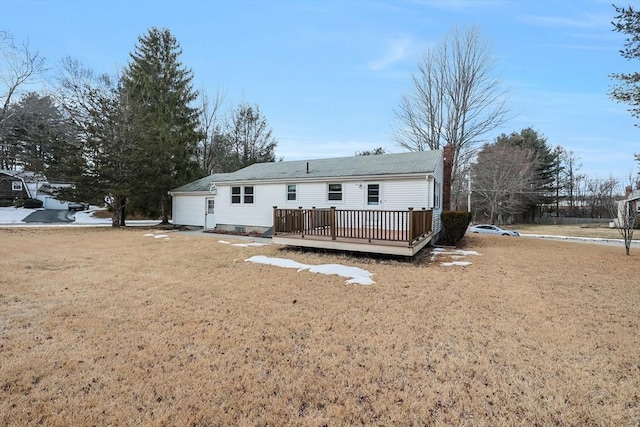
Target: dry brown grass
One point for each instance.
(585, 230)
(107, 327)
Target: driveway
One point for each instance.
(50, 216)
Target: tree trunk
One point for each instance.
(165, 210)
(123, 210)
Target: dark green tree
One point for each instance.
(95, 107)
(546, 166)
(627, 90)
(39, 138)
(161, 122)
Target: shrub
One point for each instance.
(6, 203)
(32, 203)
(455, 225)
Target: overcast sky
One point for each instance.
(329, 74)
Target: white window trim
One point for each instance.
(242, 195)
(286, 195)
(342, 186)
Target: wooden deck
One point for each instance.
(374, 231)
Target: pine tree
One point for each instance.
(157, 93)
(546, 165)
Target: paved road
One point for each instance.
(50, 216)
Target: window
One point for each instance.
(242, 194)
(248, 194)
(335, 192)
(437, 190)
(373, 194)
(16, 185)
(235, 194)
(291, 192)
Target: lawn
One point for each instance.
(111, 327)
(578, 230)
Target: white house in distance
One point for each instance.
(246, 200)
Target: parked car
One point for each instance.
(492, 229)
(77, 206)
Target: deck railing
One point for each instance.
(380, 225)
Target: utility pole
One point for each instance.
(469, 193)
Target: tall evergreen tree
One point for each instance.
(546, 165)
(627, 88)
(40, 138)
(93, 103)
(162, 123)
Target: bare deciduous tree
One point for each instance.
(211, 129)
(625, 212)
(455, 99)
(19, 65)
(504, 180)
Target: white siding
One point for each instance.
(395, 194)
(404, 194)
(190, 210)
(49, 202)
(258, 214)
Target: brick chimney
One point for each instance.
(627, 191)
(446, 185)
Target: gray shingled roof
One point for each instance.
(378, 165)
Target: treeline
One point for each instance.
(124, 140)
(520, 177)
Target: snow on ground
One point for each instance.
(453, 254)
(86, 217)
(12, 215)
(460, 263)
(356, 275)
(157, 236)
(243, 245)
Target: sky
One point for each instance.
(328, 75)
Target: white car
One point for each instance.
(492, 229)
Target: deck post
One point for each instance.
(410, 237)
(300, 221)
(424, 221)
(333, 223)
(275, 221)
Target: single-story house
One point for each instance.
(628, 207)
(372, 189)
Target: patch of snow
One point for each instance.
(356, 275)
(87, 217)
(148, 235)
(161, 236)
(12, 215)
(453, 254)
(461, 263)
(243, 245)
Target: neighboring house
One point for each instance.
(20, 185)
(628, 206)
(13, 186)
(245, 200)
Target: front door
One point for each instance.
(209, 217)
(372, 202)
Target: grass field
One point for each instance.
(585, 230)
(109, 327)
